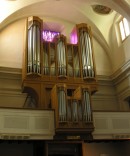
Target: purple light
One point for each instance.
(74, 38)
(49, 35)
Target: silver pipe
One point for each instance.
(91, 56)
(59, 104)
(85, 55)
(89, 65)
(38, 50)
(75, 111)
(82, 48)
(64, 57)
(34, 48)
(61, 58)
(65, 104)
(83, 106)
(88, 106)
(58, 56)
(29, 50)
(86, 115)
(88, 58)
(62, 105)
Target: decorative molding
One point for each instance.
(122, 73)
(101, 9)
(10, 73)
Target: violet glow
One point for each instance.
(74, 38)
(49, 35)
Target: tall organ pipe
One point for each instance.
(38, 50)
(75, 110)
(34, 44)
(62, 105)
(87, 108)
(45, 57)
(61, 57)
(33, 55)
(29, 50)
(86, 51)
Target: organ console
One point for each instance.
(61, 76)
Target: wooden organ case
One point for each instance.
(61, 76)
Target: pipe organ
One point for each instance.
(63, 77)
(34, 46)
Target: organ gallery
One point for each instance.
(61, 76)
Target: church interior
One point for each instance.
(64, 77)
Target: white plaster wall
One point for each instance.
(11, 44)
(103, 65)
(119, 50)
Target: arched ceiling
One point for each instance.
(73, 11)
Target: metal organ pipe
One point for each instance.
(87, 108)
(75, 110)
(90, 52)
(29, 50)
(61, 57)
(62, 105)
(45, 57)
(86, 50)
(38, 50)
(33, 50)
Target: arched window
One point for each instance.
(124, 28)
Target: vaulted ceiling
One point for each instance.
(67, 11)
(74, 11)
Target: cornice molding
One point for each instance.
(10, 73)
(121, 74)
(114, 79)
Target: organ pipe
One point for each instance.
(86, 52)
(61, 57)
(87, 115)
(75, 110)
(34, 47)
(62, 104)
(45, 59)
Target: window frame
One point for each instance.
(124, 29)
